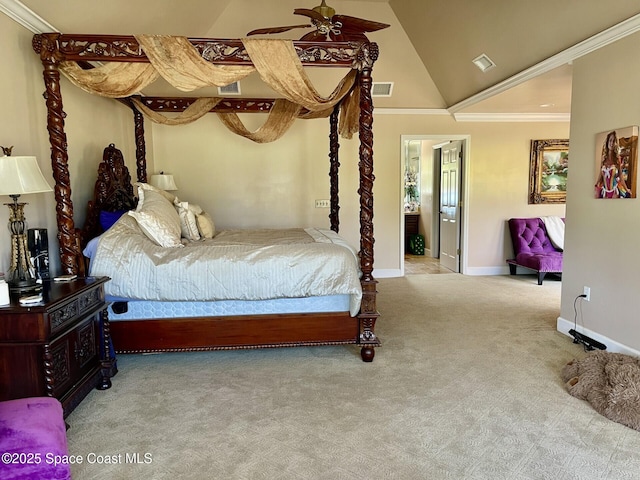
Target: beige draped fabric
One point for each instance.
(178, 61)
(113, 80)
(180, 64)
(350, 114)
(279, 67)
(193, 112)
(281, 117)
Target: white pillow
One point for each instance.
(188, 225)
(206, 226)
(157, 218)
(148, 187)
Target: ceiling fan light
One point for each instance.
(483, 62)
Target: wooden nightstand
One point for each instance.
(59, 347)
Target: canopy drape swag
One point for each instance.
(179, 63)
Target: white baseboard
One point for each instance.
(563, 326)
(487, 271)
(471, 271)
(387, 273)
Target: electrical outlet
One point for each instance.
(323, 203)
(586, 291)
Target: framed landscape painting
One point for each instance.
(549, 165)
(617, 163)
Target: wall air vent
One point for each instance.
(382, 89)
(231, 89)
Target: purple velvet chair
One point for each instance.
(533, 248)
(33, 439)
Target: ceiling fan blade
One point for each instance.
(309, 13)
(261, 31)
(358, 24)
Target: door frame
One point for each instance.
(464, 192)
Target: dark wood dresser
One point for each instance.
(59, 347)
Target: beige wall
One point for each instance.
(602, 235)
(498, 180)
(91, 124)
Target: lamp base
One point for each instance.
(20, 277)
(24, 286)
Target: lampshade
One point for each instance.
(163, 182)
(21, 175)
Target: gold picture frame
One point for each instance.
(548, 168)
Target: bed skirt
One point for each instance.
(143, 310)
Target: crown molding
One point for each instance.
(606, 37)
(478, 117)
(19, 12)
(512, 117)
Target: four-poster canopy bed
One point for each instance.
(113, 190)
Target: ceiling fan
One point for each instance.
(328, 26)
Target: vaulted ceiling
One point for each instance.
(427, 52)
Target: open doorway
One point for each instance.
(442, 226)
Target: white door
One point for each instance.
(450, 168)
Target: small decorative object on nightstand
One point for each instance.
(58, 347)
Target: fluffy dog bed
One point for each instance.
(610, 382)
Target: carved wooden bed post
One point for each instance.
(141, 149)
(368, 310)
(141, 152)
(46, 46)
(333, 169)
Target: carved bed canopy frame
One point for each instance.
(54, 48)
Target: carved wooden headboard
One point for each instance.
(113, 192)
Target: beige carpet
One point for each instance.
(466, 386)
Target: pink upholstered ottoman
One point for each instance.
(33, 440)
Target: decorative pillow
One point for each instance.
(188, 225)
(196, 209)
(157, 218)
(206, 226)
(107, 219)
(148, 187)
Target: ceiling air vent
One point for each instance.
(382, 89)
(231, 89)
(483, 62)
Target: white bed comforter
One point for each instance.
(234, 265)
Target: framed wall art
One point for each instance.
(549, 165)
(617, 163)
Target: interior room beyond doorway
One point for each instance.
(421, 210)
(422, 264)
